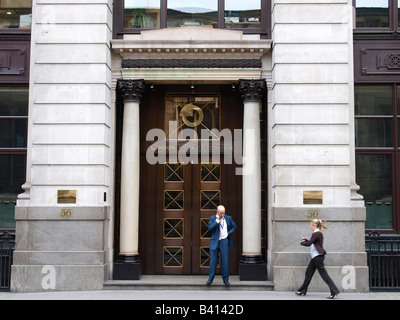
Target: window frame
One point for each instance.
(119, 30)
(16, 150)
(393, 20)
(394, 151)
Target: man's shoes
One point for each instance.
(210, 282)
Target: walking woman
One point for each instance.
(317, 261)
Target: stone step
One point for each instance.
(167, 282)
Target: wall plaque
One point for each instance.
(66, 196)
(312, 197)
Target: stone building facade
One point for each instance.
(94, 208)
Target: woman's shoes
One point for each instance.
(299, 293)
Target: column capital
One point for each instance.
(131, 90)
(252, 89)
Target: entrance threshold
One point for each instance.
(172, 282)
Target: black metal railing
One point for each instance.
(7, 247)
(383, 261)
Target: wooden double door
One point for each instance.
(190, 195)
(177, 199)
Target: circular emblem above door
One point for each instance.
(188, 111)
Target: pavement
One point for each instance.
(189, 288)
(194, 295)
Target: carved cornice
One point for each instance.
(131, 90)
(192, 63)
(252, 90)
(15, 36)
(169, 49)
(376, 36)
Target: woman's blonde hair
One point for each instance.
(319, 224)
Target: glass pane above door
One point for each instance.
(192, 112)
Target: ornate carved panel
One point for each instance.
(14, 62)
(376, 62)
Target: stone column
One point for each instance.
(127, 266)
(252, 265)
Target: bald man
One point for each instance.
(222, 227)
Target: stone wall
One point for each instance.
(70, 148)
(312, 142)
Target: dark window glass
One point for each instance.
(15, 14)
(13, 133)
(7, 212)
(142, 14)
(12, 177)
(372, 13)
(398, 100)
(242, 14)
(13, 118)
(373, 100)
(374, 116)
(13, 102)
(375, 181)
(374, 133)
(398, 113)
(185, 13)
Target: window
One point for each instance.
(375, 178)
(13, 144)
(134, 16)
(377, 118)
(184, 13)
(15, 14)
(375, 15)
(142, 14)
(372, 14)
(374, 116)
(242, 14)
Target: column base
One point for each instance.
(127, 268)
(252, 268)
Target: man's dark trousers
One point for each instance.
(223, 249)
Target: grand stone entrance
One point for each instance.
(161, 224)
(179, 197)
